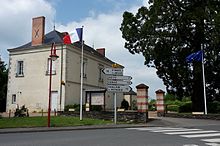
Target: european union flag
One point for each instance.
(196, 56)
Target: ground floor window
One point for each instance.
(14, 98)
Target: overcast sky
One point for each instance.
(101, 20)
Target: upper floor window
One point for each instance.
(20, 68)
(100, 74)
(53, 67)
(84, 68)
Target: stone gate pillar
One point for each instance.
(160, 102)
(142, 99)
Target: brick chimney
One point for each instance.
(38, 27)
(101, 51)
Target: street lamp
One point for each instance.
(53, 57)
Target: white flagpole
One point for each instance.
(203, 75)
(81, 77)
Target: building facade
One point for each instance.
(29, 67)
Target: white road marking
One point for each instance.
(152, 128)
(201, 135)
(173, 130)
(213, 144)
(190, 132)
(211, 140)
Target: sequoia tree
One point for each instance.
(167, 32)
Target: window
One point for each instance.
(84, 68)
(48, 67)
(13, 98)
(100, 74)
(20, 68)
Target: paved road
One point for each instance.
(145, 136)
(160, 132)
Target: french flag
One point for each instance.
(77, 35)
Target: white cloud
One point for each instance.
(16, 16)
(103, 30)
(100, 30)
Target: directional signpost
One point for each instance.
(113, 71)
(117, 88)
(116, 82)
(119, 78)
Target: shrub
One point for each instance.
(96, 108)
(213, 107)
(72, 106)
(173, 108)
(185, 107)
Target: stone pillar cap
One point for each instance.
(159, 91)
(142, 86)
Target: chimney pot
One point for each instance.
(101, 51)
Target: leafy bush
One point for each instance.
(213, 107)
(72, 106)
(96, 108)
(169, 97)
(22, 112)
(175, 102)
(152, 105)
(185, 107)
(173, 108)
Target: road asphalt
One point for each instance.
(159, 121)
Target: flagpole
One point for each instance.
(81, 77)
(203, 76)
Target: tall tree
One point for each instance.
(166, 33)
(3, 85)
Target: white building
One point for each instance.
(28, 82)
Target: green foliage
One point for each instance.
(77, 107)
(169, 97)
(21, 112)
(124, 104)
(185, 107)
(166, 33)
(134, 105)
(172, 108)
(152, 105)
(72, 106)
(3, 85)
(96, 108)
(59, 121)
(213, 107)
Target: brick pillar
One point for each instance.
(160, 102)
(142, 99)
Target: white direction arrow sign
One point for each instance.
(128, 78)
(117, 88)
(113, 71)
(119, 82)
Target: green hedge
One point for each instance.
(185, 107)
(172, 108)
(77, 107)
(72, 106)
(213, 107)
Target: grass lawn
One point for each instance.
(59, 121)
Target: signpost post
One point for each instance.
(116, 82)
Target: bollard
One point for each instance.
(42, 113)
(9, 114)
